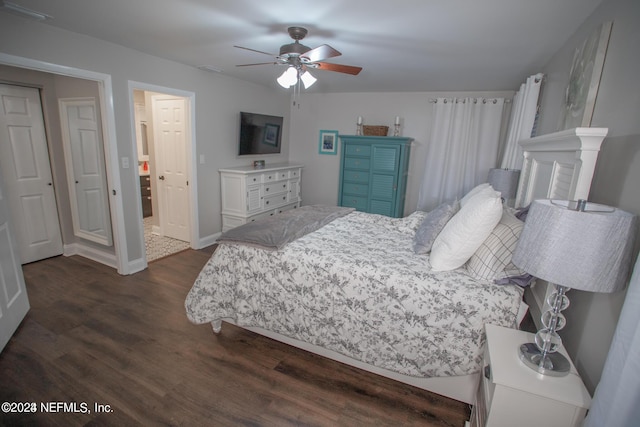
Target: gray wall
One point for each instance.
(592, 318)
(218, 99)
(339, 111)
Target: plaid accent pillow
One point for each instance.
(492, 260)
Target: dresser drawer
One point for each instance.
(357, 189)
(270, 176)
(356, 163)
(275, 200)
(288, 207)
(145, 190)
(254, 179)
(360, 203)
(356, 176)
(357, 150)
(276, 187)
(282, 174)
(294, 173)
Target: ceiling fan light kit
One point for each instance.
(298, 57)
(307, 79)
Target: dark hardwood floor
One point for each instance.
(93, 337)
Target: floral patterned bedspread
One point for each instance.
(356, 287)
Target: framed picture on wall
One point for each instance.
(584, 79)
(328, 142)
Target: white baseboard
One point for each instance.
(136, 265)
(208, 240)
(95, 254)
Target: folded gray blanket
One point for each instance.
(276, 231)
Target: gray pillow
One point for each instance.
(432, 226)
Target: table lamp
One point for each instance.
(573, 245)
(506, 182)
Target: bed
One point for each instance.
(353, 289)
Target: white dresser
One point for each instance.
(249, 193)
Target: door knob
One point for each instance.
(161, 177)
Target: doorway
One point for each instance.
(163, 126)
(119, 259)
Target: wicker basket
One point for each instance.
(375, 130)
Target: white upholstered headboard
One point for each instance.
(558, 165)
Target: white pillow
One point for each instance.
(465, 232)
(482, 188)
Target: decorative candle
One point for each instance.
(359, 120)
(397, 120)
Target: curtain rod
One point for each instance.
(463, 100)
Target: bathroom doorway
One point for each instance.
(163, 140)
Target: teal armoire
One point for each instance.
(373, 173)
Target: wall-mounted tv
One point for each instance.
(259, 134)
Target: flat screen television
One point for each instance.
(259, 134)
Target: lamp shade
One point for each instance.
(504, 181)
(288, 78)
(588, 250)
(307, 79)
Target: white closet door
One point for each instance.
(24, 161)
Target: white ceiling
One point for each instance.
(402, 45)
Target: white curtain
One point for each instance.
(523, 116)
(463, 147)
(616, 402)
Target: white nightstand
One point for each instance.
(511, 394)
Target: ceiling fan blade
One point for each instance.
(347, 69)
(320, 53)
(253, 50)
(258, 63)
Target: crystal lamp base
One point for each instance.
(554, 364)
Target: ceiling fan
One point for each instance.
(298, 58)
